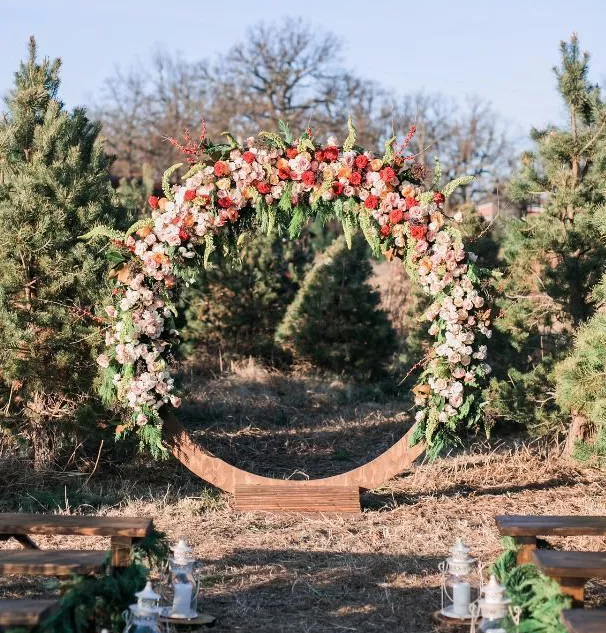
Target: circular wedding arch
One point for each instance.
(278, 182)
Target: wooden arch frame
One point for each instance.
(338, 493)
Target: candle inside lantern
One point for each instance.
(461, 597)
(182, 599)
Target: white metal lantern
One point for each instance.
(143, 616)
(460, 583)
(494, 607)
(185, 582)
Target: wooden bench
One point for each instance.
(571, 570)
(526, 529)
(584, 620)
(24, 614)
(57, 562)
(123, 531)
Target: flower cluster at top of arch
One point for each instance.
(275, 181)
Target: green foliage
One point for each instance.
(102, 599)
(552, 258)
(334, 321)
(54, 186)
(235, 307)
(538, 596)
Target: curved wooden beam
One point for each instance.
(225, 476)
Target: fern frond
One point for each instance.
(350, 141)
(166, 181)
(102, 231)
(457, 182)
(139, 225)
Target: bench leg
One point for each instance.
(121, 550)
(573, 587)
(527, 545)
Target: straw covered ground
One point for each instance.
(373, 572)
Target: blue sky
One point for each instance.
(502, 51)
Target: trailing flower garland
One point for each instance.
(278, 181)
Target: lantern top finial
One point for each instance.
(147, 598)
(494, 592)
(182, 553)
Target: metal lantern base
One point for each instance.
(198, 619)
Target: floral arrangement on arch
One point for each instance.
(276, 180)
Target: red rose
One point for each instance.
(204, 200)
(319, 155)
(263, 187)
(385, 230)
(361, 161)
(418, 232)
(249, 157)
(337, 188)
(387, 174)
(372, 202)
(331, 152)
(221, 168)
(190, 194)
(355, 179)
(438, 197)
(396, 216)
(411, 201)
(225, 203)
(183, 235)
(153, 201)
(308, 178)
(292, 152)
(284, 173)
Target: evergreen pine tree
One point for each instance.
(54, 187)
(552, 258)
(334, 320)
(235, 307)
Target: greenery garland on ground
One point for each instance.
(276, 181)
(539, 596)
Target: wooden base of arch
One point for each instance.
(300, 496)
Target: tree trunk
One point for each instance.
(579, 431)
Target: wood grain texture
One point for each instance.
(522, 525)
(584, 620)
(297, 498)
(392, 462)
(27, 562)
(559, 564)
(16, 523)
(24, 613)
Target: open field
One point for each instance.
(373, 572)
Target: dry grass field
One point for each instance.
(276, 573)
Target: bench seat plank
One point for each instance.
(24, 613)
(51, 562)
(584, 620)
(16, 523)
(521, 525)
(559, 564)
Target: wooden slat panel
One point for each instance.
(16, 523)
(298, 497)
(51, 562)
(521, 525)
(26, 613)
(584, 620)
(559, 564)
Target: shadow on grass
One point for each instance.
(288, 591)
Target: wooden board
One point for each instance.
(297, 497)
(24, 613)
(375, 473)
(559, 564)
(584, 620)
(16, 523)
(51, 562)
(521, 525)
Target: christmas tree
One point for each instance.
(54, 187)
(552, 256)
(334, 321)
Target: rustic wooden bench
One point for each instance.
(571, 570)
(30, 562)
(526, 529)
(123, 531)
(24, 614)
(584, 620)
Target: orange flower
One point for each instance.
(144, 231)
(376, 164)
(344, 172)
